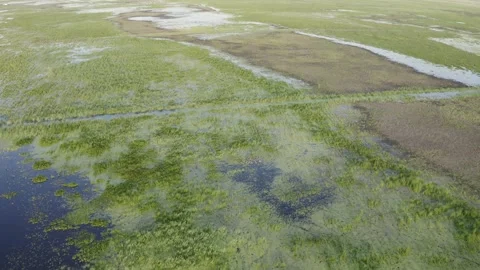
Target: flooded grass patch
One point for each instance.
(465, 43)
(166, 189)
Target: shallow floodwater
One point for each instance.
(466, 77)
(444, 95)
(183, 17)
(27, 209)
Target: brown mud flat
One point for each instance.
(445, 133)
(330, 67)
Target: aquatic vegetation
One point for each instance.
(9, 195)
(39, 179)
(59, 225)
(70, 185)
(59, 192)
(99, 223)
(82, 239)
(38, 218)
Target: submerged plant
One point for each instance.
(38, 218)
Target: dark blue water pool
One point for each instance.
(27, 208)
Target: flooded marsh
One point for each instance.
(273, 135)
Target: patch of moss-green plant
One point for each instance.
(24, 141)
(99, 223)
(59, 193)
(49, 140)
(39, 179)
(9, 195)
(41, 165)
(60, 225)
(81, 239)
(70, 185)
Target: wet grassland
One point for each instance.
(198, 160)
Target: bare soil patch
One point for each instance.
(445, 133)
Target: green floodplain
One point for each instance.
(201, 158)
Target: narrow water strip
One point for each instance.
(104, 117)
(444, 95)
